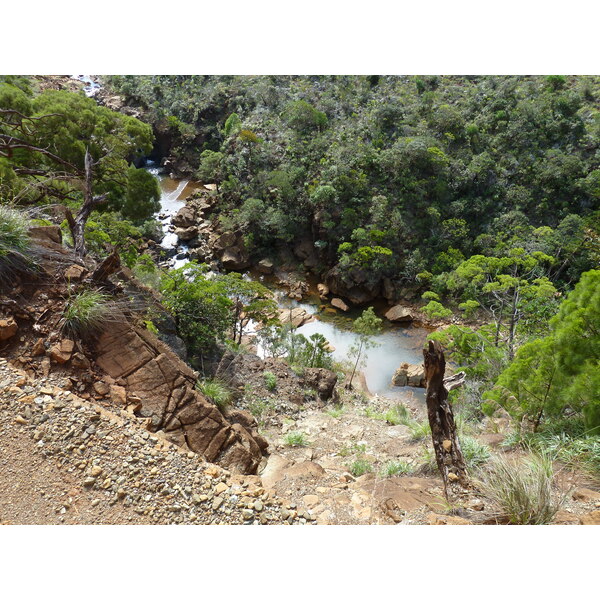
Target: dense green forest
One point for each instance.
(394, 177)
(478, 195)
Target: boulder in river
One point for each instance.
(323, 290)
(340, 304)
(265, 266)
(399, 314)
(412, 375)
(187, 233)
(186, 217)
(296, 316)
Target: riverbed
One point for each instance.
(395, 344)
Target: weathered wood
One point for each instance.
(448, 454)
(109, 265)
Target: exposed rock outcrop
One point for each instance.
(148, 369)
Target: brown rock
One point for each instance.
(50, 233)
(101, 388)
(62, 351)
(118, 394)
(265, 266)
(235, 259)
(79, 361)
(399, 314)
(8, 328)
(186, 217)
(323, 290)
(226, 240)
(413, 375)
(75, 273)
(586, 495)
(340, 304)
(187, 233)
(435, 519)
(38, 348)
(296, 316)
(323, 380)
(592, 518)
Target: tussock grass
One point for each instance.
(522, 490)
(16, 248)
(87, 313)
(568, 442)
(216, 391)
(360, 467)
(396, 467)
(474, 452)
(336, 411)
(296, 439)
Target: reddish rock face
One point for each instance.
(164, 384)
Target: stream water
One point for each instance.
(395, 345)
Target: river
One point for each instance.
(395, 345)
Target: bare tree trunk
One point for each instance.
(77, 224)
(448, 454)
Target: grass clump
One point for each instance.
(523, 490)
(270, 380)
(566, 441)
(360, 467)
(296, 439)
(419, 430)
(474, 452)
(336, 411)
(86, 313)
(396, 467)
(15, 243)
(216, 391)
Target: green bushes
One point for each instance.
(522, 490)
(270, 380)
(561, 371)
(86, 314)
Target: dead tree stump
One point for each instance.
(448, 454)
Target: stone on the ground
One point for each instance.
(8, 328)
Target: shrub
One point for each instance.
(360, 467)
(396, 467)
(270, 380)
(216, 391)
(296, 439)
(522, 490)
(86, 313)
(434, 310)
